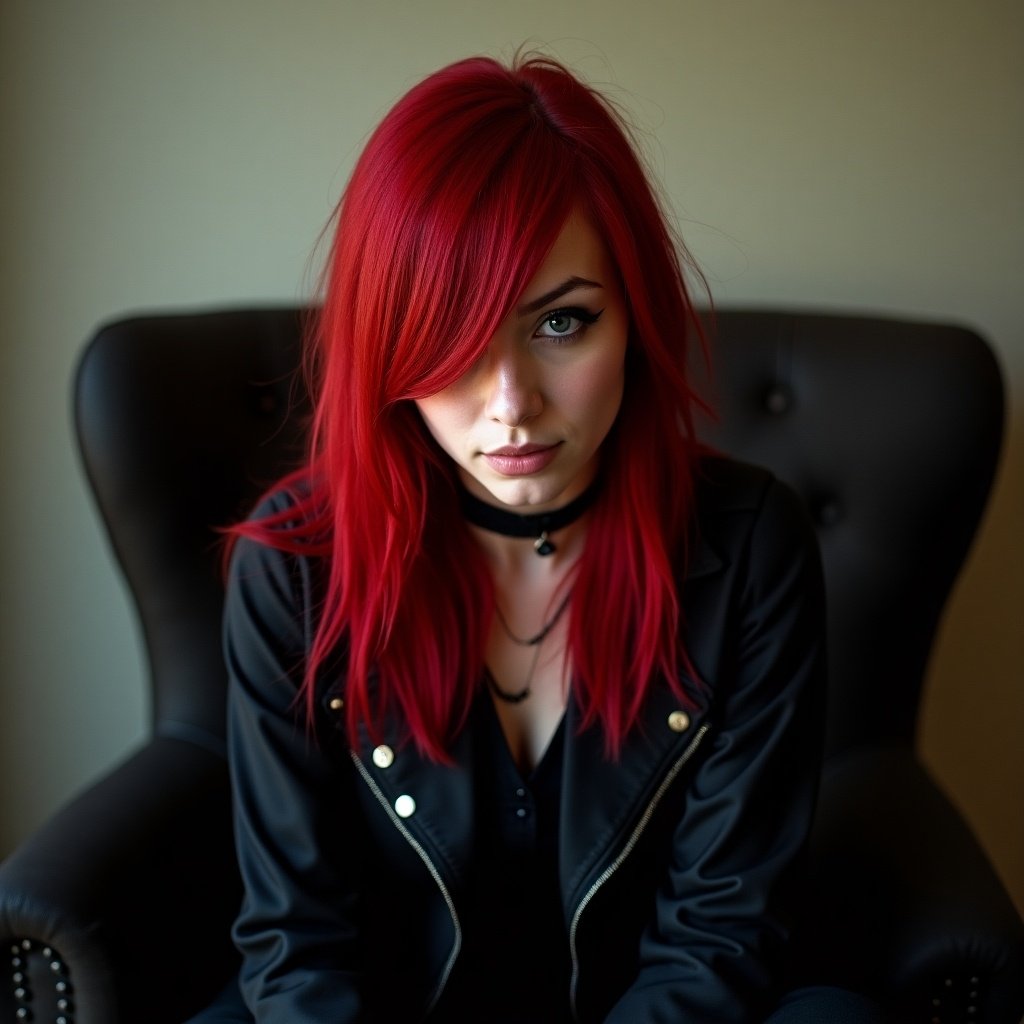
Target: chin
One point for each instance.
(517, 495)
(525, 495)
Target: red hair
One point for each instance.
(453, 205)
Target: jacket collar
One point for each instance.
(603, 798)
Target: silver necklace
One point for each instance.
(537, 638)
(535, 641)
(518, 696)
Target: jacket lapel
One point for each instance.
(603, 800)
(433, 801)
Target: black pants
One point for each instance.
(805, 1006)
(831, 1005)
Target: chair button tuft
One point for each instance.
(778, 400)
(827, 512)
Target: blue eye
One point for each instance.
(566, 323)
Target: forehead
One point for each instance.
(578, 251)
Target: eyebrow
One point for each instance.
(556, 293)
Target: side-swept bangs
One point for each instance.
(456, 201)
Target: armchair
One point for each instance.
(119, 909)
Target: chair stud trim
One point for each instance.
(29, 953)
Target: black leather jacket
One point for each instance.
(678, 861)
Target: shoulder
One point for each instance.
(724, 485)
(742, 511)
(270, 579)
(754, 594)
(254, 553)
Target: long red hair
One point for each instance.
(452, 206)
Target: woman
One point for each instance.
(526, 690)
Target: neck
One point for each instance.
(540, 533)
(514, 559)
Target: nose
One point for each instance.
(513, 391)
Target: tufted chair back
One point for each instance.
(182, 421)
(890, 431)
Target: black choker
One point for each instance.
(539, 525)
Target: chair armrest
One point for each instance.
(903, 901)
(121, 904)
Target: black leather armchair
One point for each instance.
(118, 910)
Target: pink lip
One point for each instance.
(520, 460)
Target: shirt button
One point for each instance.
(383, 756)
(337, 704)
(405, 806)
(521, 812)
(679, 721)
(520, 792)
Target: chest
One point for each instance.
(529, 685)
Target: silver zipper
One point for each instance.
(623, 854)
(425, 857)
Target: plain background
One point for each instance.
(857, 156)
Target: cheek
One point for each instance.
(596, 390)
(443, 417)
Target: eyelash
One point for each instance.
(584, 316)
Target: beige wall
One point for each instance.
(865, 156)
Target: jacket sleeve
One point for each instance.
(713, 950)
(298, 927)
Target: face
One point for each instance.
(525, 423)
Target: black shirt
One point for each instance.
(514, 966)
